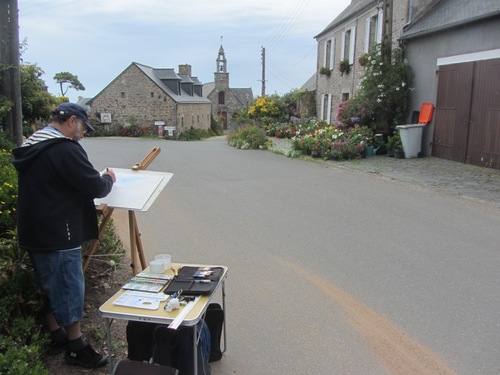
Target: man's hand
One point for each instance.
(110, 172)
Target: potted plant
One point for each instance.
(324, 71)
(344, 67)
(363, 59)
(395, 146)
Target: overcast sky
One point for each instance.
(98, 39)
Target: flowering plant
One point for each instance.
(343, 150)
(344, 67)
(335, 141)
(264, 107)
(383, 96)
(324, 71)
(306, 144)
(363, 134)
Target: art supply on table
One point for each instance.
(157, 266)
(166, 259)
(145, 284)
(183, 313)
(140, 300)
(148, 282)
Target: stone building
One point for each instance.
(226, 101)
(148, 96)
(350, 35)
(454, 52)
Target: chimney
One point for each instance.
(185, 69)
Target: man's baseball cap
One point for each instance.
(70, 109)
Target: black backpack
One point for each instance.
(174, 348)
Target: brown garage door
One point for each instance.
(467, 115)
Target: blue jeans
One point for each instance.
(60, 275)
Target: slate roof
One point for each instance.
(186, 78)
(156, 75)
(244, 95)
(84, 102)
(356, 7)
(310, 84)
(446, 14)
(208, 88)
(166, 73)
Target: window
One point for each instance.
(348, 45)
(152, 95)
(372, 35)
(123, 95)
(328, 52)
(345, 96)
(373, 31)
(329, 57)
(222, 97)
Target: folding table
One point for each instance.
(110, 311)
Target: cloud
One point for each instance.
(98, 39)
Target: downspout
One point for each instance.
(354, 58)
(410, 19)
(410, 14)
(175, 120)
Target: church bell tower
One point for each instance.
(221, 61)
(221, 74)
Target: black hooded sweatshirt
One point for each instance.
(57, 187)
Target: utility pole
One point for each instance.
(9, 58)
(263, 72)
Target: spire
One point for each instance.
(221, 60)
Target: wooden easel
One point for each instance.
(136, 249)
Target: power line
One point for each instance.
(31, 8)
(286, 75)
(287, 23)
(280, 73)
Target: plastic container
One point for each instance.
(157, 266)
(411, 134)
(166, 259)
(411, 138)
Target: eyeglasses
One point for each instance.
(84, 127)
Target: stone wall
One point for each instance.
(341, 86)
(132, 98)
(193, 115)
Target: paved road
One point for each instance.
(331, 271)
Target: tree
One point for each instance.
(71, 79)
(36, 101)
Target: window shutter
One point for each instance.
(325, 49)
(367, 34)
(323, 106)
(328, 118)
(332, 54)
(352, 45)
(380, 23)
(342, 47)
